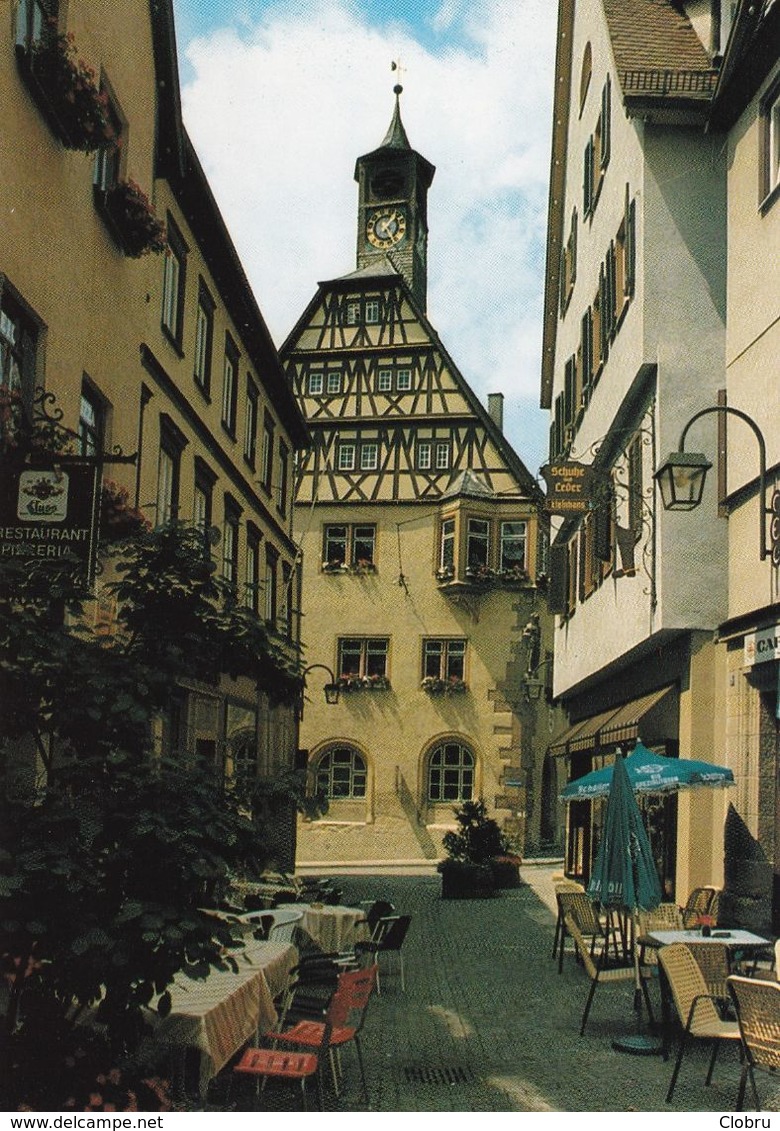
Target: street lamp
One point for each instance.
(533, 687)
(681, 478)
(331, 689)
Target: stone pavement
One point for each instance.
(488, 1024)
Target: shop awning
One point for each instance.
(618, 724)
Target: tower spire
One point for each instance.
(396, 138)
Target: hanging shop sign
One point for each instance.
(49, 514)
(762, 645)
(569, 488)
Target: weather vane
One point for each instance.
(396, 66)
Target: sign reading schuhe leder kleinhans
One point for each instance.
(568, 487)
(49, 514)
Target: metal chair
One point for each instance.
(696, 1007)
(343, 1020)
(388, 938)
(266, 1064)
(757, 1004)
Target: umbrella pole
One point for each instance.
(639, 1044)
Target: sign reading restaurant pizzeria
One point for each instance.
(568, 487)
(49, 514)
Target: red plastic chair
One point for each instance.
(282, 1064)
(342, 1022)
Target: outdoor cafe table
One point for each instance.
(333, 927)
(737, 942)
(218, 1014)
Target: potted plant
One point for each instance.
(467, 871)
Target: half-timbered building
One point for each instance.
(423, 552)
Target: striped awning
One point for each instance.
(618, 724)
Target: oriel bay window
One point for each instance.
(477, 543)
(512, 551)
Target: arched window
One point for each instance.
(450, 773)
(341, 774)
(585, 72)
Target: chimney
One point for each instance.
(496, 409)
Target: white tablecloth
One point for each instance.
(333, 927)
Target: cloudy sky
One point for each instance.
(281, 96)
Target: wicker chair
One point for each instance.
(580, 906)
(758, 1011)
(696, 1007)
(599, 971)
(664, 917)
(561, 884)
(701, 901)
(714, 962)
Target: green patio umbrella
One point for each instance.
(624, 876)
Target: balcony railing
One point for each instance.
(687, 84)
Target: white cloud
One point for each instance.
(279, 111)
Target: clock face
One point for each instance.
(385, 227)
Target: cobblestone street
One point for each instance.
(488, 1024)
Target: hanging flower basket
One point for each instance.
(334, 566)
(362, 567)
(131, 219)
(66, 91)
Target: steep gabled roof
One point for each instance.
(381, 277)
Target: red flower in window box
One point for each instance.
(132, 218)
(67, 93)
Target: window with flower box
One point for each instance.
(512, 547)
(349, 547)
(363, 662)
(477, 543)
(444, 666)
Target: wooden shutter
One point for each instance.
(558, 588)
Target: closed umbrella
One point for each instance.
(624, 876)
(651, 773)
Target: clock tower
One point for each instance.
(393, 188)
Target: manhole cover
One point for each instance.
(457, 1074)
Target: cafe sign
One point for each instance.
(49, 514)
(762, 645)
(569, 487)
